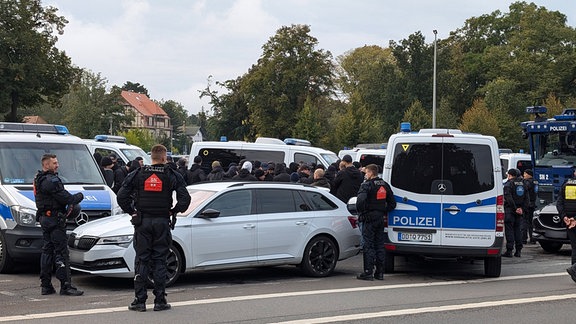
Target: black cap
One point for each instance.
(513, 172)
(197, 159)
(347, 158)
(529, 172)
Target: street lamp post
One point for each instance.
(434, 84)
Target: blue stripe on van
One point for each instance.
(5, 212)
(93, 199)
(427, 215)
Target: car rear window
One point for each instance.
(318, 201)
(463, 168)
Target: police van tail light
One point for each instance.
(500, 213)
(353, 221)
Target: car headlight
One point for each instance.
(24, 216)
(120, 240)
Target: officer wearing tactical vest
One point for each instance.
(516, 202)
(531, 184)
(51, 200)
(566, 205)
(374, 200)
(146, 194)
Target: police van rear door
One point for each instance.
(445, 191)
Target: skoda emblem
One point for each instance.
(82, 218)
(556, 219)
(441, 187)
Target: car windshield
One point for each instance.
(19, 163)
(198, 197)
(330, 158)
(133, 153)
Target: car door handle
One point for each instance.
(249, 226)
(452, 209)
(302, 223)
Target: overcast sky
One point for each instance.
(173, 46)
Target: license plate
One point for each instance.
(415, 237)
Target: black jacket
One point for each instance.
(196, 174)
(322, 182)
(244, 175)
(347, 183)
(217, 174)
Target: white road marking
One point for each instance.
(313, 292)
(436, 309)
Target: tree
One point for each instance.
(478, 119)
(417, 116)
(308, 125)
(135, 87)
(445, 115)
(140, 137)
(290, 70)
(32, 69)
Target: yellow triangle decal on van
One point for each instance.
(405, 146)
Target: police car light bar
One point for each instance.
(296, 141)
(110, 138)
(536, 110)
(33, 128)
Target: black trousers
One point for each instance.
(512, 228)
(373, 237)
(152, 241)
(55, 254)
(572, 237)
(527, 225)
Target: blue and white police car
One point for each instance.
(21, 149)
(449, 193)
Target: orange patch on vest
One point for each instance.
(153, 183)
(381, 194)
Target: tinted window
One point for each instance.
(419, 168)
(306, 158)
(19, 162)
(233, 203)
(318, 201)
(227, 156)
(276, 201)
(366, 159)
(504, 164)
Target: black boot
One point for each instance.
(507, 254)
(161, 304)
(68, 290)
(137, 305)
(48, 290)
(379, 273)
(517, 253)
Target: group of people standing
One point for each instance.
(114, 171)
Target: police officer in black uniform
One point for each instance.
(566, 205)
(516, 203)
(530, 184)
(51, 203)
(146, 194)
(374, 200)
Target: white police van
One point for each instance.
(21, 149)
(108, 144)
(264, 149)
(449, 194)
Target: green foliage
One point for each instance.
(417, 116)
(32, 69)
(445, 115)
(308, 125)
(135, 87)
(478, 119)
(140, 137)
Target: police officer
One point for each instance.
(51, 201)
(374, 200)
(146, 194)
(566, 205)
(516, 203)
(530, 184)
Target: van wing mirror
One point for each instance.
(209, 213)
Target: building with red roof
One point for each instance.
(148, 114)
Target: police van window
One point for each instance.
(504, 164)
(235, 203)
(263, 156)
(366, 159)
(523, 165)
(465, 168)
(20, 161)
(224, 156)
(306, 158)
(133, 153)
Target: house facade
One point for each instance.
(148, 114)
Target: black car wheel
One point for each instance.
(6, 263)
(173, 266)
(320, 257)
(493, 266)
(551, 247)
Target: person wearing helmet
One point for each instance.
(51, 200)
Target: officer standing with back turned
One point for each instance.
(516, 203)
(146, 194)
(51, 202)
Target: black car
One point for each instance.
(549, 229)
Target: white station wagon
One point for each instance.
(232, 225)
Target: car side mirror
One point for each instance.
(209, 213)
(352, 206)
